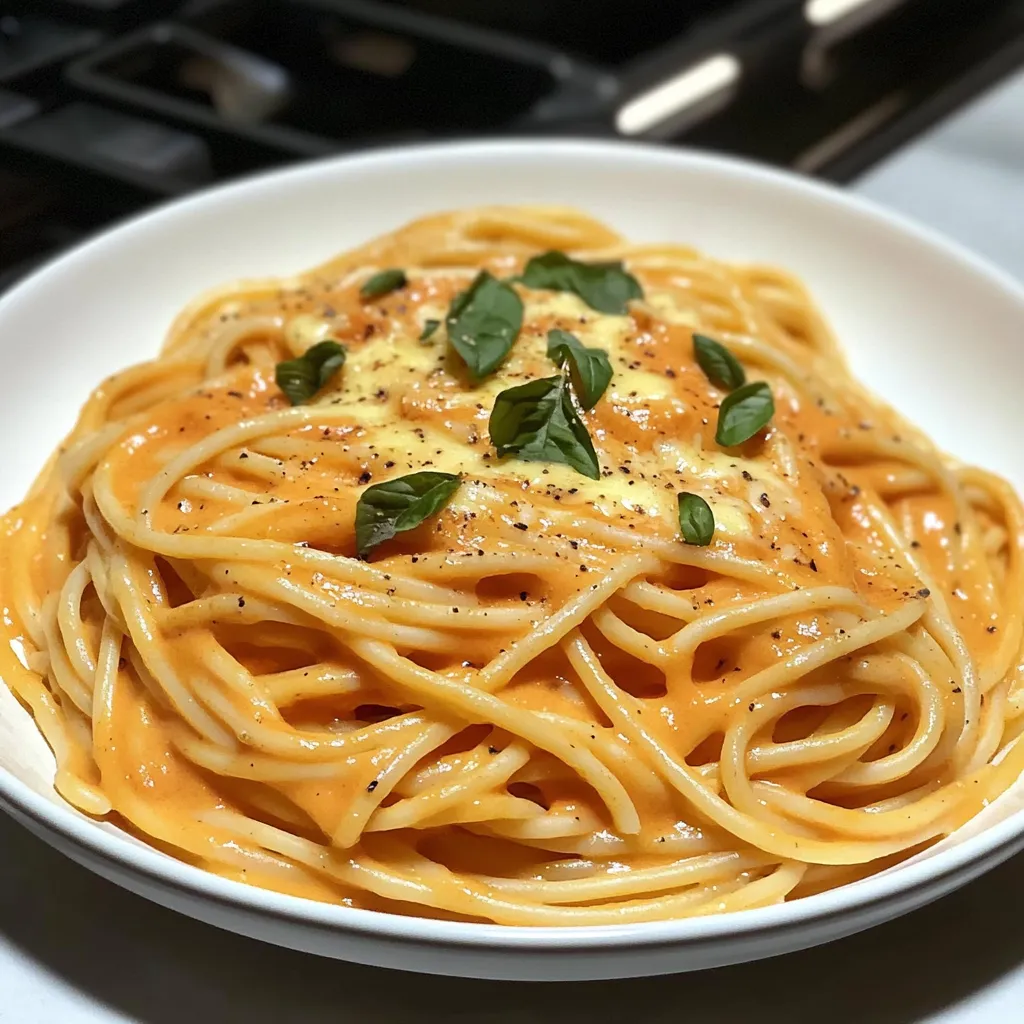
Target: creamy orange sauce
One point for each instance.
(795, 503)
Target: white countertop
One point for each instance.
(75, 949)
(966, 178)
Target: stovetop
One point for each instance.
(108, 106)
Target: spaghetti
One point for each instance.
(501, 570)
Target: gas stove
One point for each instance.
(109, 106)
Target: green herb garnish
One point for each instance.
(695, 519)
(537, 422)
(743, 413)
(590, 367)
(300, 379)
(399, 505)
(483, 322)
(606, 287)
(429, 326)
(720, 366)
(382, 282)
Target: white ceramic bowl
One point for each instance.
(928, 326)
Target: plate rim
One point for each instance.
(54, 818)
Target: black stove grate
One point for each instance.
(107, 106)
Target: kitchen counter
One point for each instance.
(76, 949)
(966, 178)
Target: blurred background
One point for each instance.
(108, 106)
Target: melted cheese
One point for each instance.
(401, 405)
(407, 395)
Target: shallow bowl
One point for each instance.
(928, 326)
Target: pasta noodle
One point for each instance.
(503, 570)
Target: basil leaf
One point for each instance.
(743, 413)
(696, 520)
(399, 505)
(383, 282)
(720, 366)
(591, 368)
(537, 422)
(300, 379)
(483, 322)
(429, 326)
(606, 287)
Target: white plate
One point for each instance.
(928, 326)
